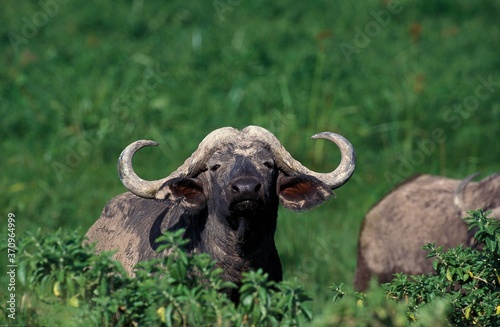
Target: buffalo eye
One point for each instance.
(269, 164)
(214, 167)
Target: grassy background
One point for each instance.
(80, 81)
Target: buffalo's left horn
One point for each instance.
(287, 163)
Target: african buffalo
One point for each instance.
(423, 209)
(225, 196)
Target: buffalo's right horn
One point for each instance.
(193, 165)
(135, 184)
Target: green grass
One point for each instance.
(96, 77)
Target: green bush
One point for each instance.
(65, 283)
(463, 291)
(467, 278)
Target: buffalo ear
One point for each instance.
(184, 191)
(302, 192)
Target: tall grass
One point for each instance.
(98, 76)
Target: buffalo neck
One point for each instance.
(249, 246)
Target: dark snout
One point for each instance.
(245, 193)
(246, 186)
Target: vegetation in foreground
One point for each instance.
(463, 291)
(65, 283)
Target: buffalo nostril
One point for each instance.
(245, 186)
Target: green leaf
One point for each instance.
(338, 293)
(247, 301)
(435, 264)
(491, 243)
(449, 275)
(168, 315)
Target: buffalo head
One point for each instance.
(241, 174)
(228, 154)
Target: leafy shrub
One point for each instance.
(467, 278)
(65, 283)
(463, 291)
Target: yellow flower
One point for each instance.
(74, 302)
(467, 312)
(56, 289)
(161, 313)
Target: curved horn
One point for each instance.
(192, 166)
(345, 169)
(458, 197)
(128, 177)
(285, 161)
